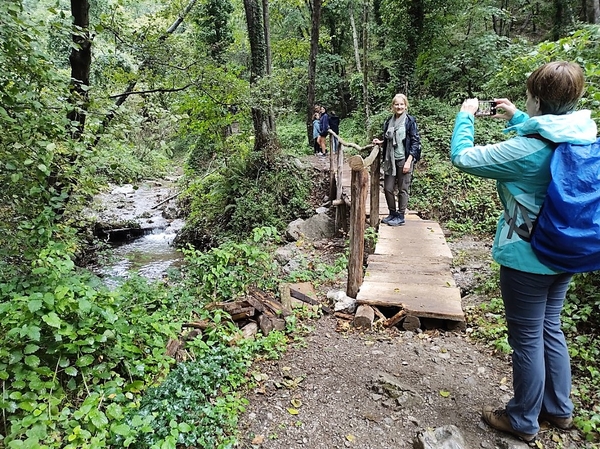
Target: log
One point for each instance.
(364, 317)
(250, 330)
(395, 319)
(259, 306)
(173, 346)
(164, 201)
(243, 313)
(378, 313)
(307, 299)
(265, 324)
(202, 325)
(278, 323)
(350, 144)
(270, 303)
(411, 323)
(231, 307)
(344, 316)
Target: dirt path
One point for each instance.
(335, 387)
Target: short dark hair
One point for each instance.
(558, 86)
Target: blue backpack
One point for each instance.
(566, 234)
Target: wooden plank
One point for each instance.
(417, 299)
(401, 274)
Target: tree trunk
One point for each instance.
(258, 69)
(562, 18)
(355, 40)
(593, 11)
(267, 28)
(366, 63)
(312, 64)
(416, 14)
(81, 60)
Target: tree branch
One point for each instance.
(151, 91)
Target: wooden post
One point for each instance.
(358, 192)
(374, 212)
(340, 171)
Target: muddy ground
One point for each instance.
(337, 387)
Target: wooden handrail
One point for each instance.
(356, 162)
(350, 144)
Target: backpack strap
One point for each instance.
(526, 229)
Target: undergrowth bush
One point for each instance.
(248, 193)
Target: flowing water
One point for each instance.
(149, 256)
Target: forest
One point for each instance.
(94, 92)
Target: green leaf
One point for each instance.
(33, 332)
(121, 429)
(98, 419)
(30, 349)
(71, 371)
(52, 320)
(34, 305)
(184, 427)
(444, 393)
(84, 360)
(32, 361)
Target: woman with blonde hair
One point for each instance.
(401, 150)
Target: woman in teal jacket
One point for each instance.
(533, 293)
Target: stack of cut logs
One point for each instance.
(256, 310)
(260, 310)
(365, 316)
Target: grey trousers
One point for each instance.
(402, 182)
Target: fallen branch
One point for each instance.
(165, 201)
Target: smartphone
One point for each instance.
(486, 108)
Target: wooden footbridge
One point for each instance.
(408, 275)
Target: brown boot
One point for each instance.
(560, 423)
(498, 419)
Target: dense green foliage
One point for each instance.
(84, 366)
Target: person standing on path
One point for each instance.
(316, 132)
(324, 125)
(334, 125)
(533, 294)
(401, 149)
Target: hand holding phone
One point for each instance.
(486, 108)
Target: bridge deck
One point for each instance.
(410, 268)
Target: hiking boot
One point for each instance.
(398, 220)
(498, 419)
(560, 423)
(389, 218)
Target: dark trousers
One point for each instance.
(401, 182)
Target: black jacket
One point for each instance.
(412, 141)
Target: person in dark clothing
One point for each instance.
(324, 125)
(401, 149)
(334, 125)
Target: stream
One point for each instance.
(150, 256)
(138, 223)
